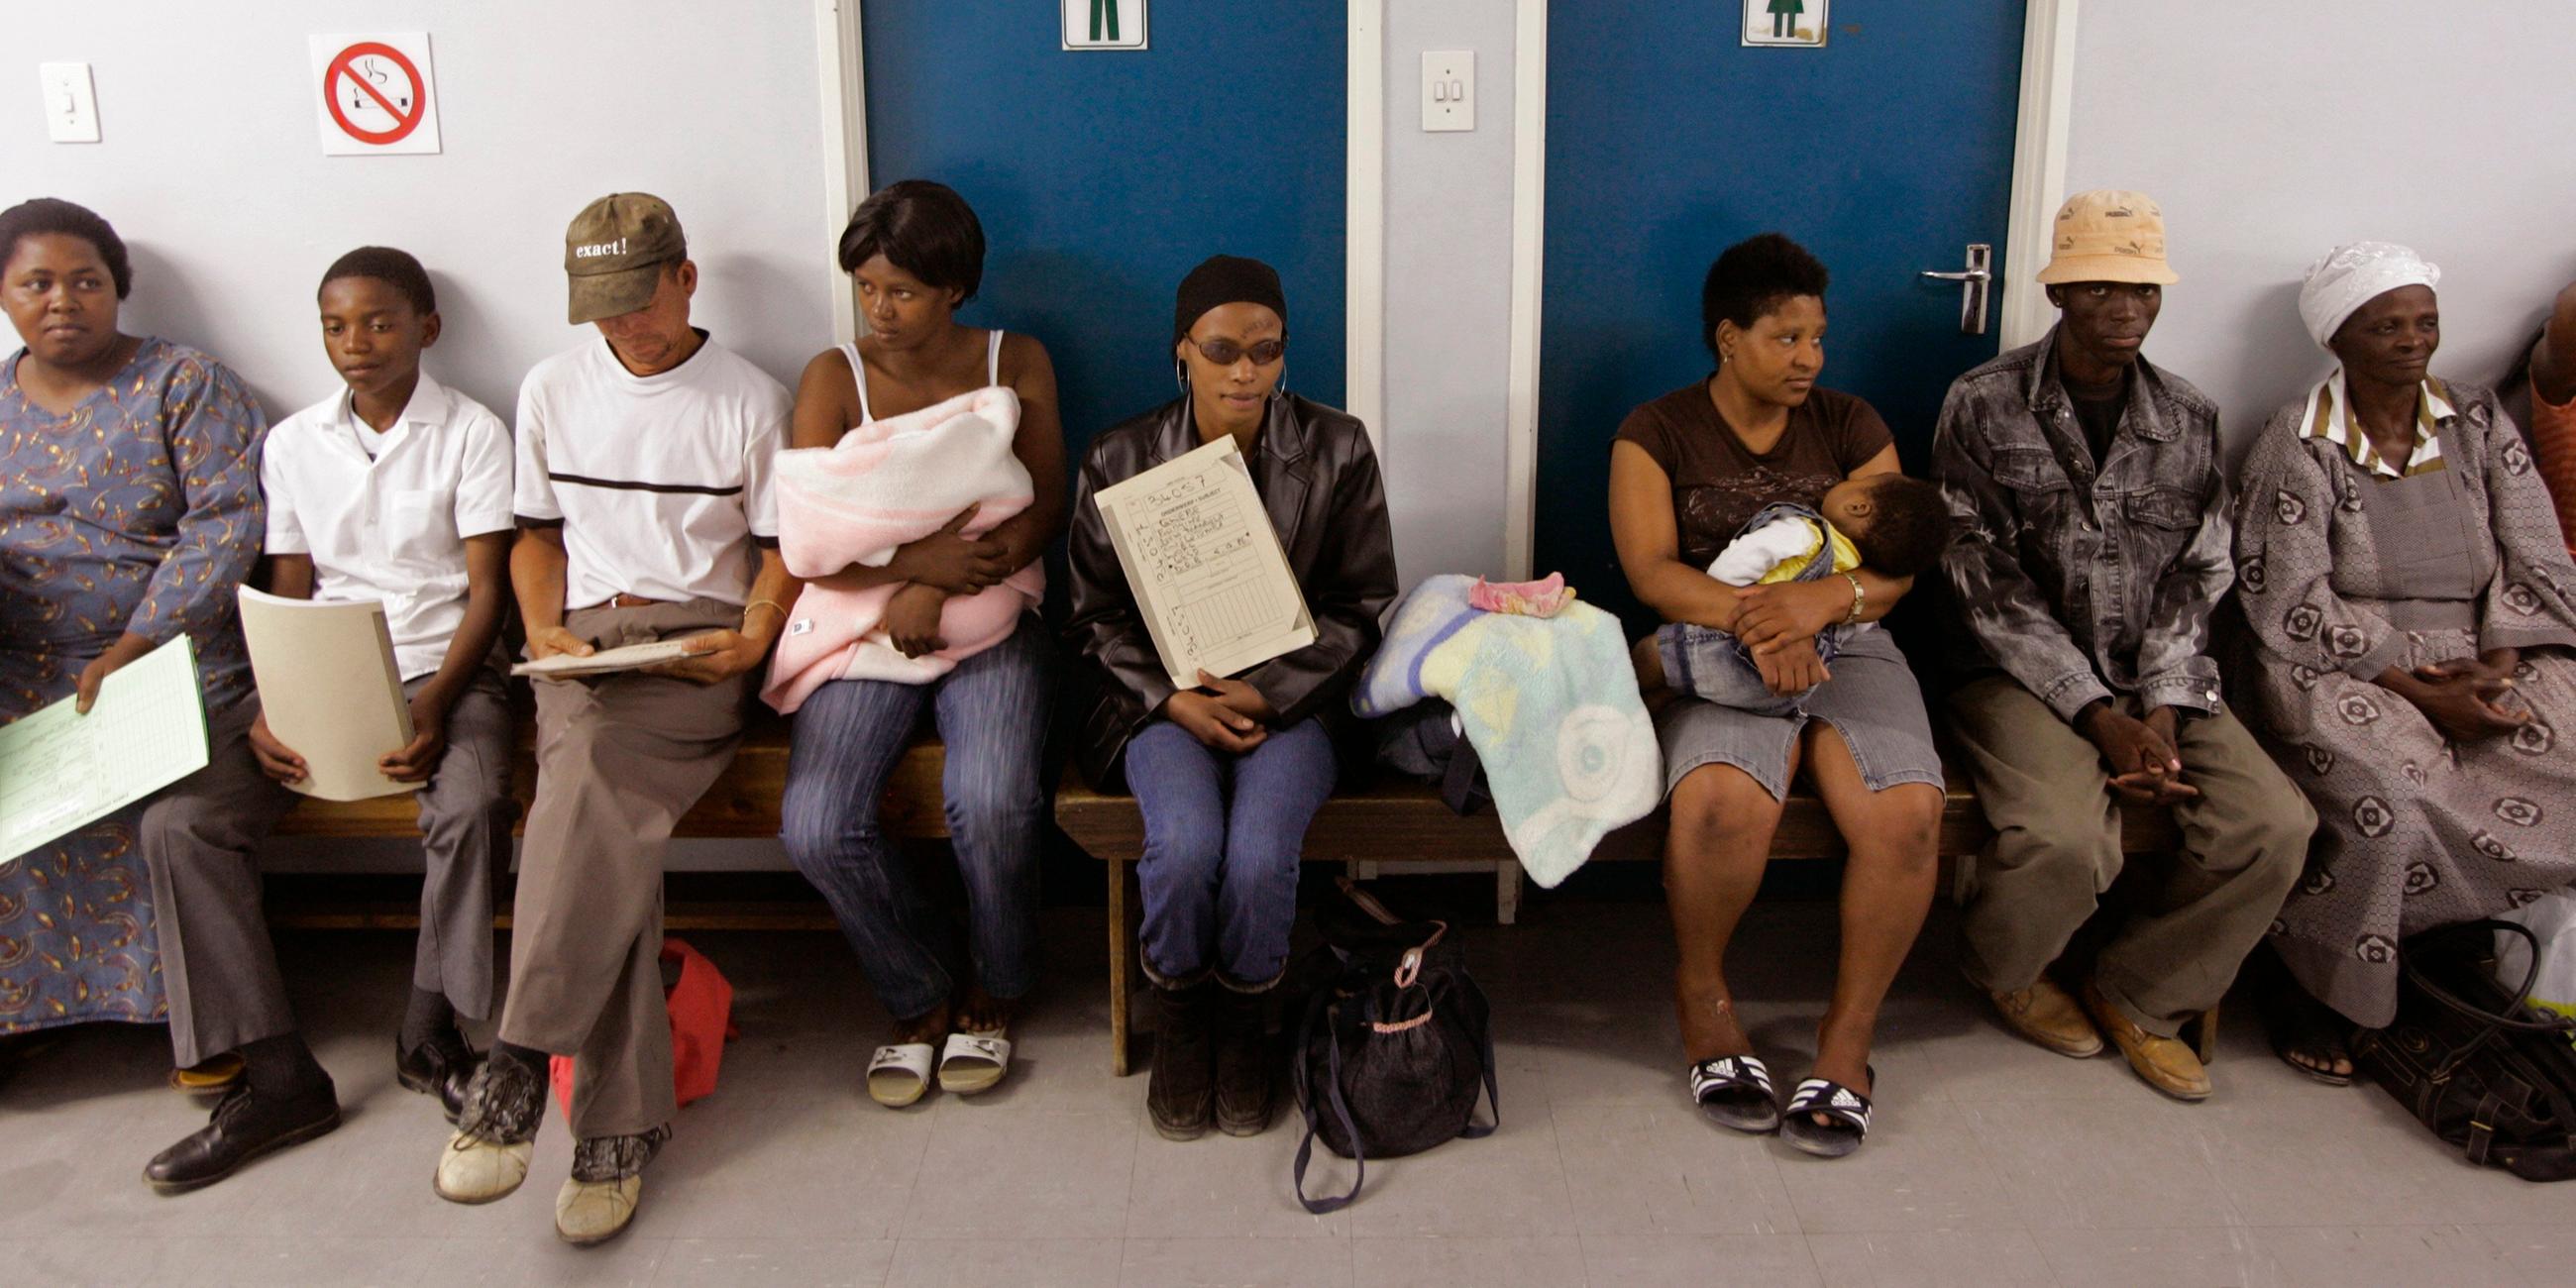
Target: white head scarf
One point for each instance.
(2354, 274)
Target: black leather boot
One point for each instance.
(1242, 1063)
(1179, 1093)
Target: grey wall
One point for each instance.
(1448, 294)
(2272, 132)
(211, 168)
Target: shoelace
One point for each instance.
(502, 1104)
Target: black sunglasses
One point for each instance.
(1226, 353)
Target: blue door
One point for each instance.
(1885, 153)
(1102, 177)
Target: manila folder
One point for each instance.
(1206, 567)
(328, 685)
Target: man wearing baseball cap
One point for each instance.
(2094, 544)
(644, 515)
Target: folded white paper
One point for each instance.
(330, 690)
(629, 658)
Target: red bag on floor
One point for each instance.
(701, 1005)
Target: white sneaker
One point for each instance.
(588, 1212)
(597, 1202)
(475, 1170)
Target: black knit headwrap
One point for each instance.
(1223, 280)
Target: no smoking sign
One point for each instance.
(375, 94)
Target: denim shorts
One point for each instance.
(1872, 701)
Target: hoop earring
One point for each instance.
(1181, 375)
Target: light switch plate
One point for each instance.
(1449, 89)
(71, 103)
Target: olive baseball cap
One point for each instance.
(614, 253)
(2109, 235)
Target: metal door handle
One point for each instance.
(1973, 282)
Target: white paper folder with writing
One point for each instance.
(60, 770)
(1205, 564)
(330, 690)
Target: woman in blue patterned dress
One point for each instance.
(129, 514)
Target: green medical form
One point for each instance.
(60, 770)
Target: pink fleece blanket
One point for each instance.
(886, 483)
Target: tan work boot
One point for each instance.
(2049, 1016)
(2168, 1064)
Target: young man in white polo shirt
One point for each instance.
(395, 489)
(644, 514)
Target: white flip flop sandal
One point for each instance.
(974, 1062)
(899, 1075)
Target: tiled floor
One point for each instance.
(1994, 1163)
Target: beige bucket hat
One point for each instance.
(2108, 235)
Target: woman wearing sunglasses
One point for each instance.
(1229, 773)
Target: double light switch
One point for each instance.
(1449, 89)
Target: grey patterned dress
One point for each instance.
(2347, 566)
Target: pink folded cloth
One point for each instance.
(1521, 598)
(886, 483)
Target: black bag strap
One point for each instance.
(1341, 1112)
(2492, 1023)
(1493, 1096)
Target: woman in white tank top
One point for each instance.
(917, 253)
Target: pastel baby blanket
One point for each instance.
(886, 483)
(1549, 703)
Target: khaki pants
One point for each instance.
(201, 837)
(619, 759)
(2057, 848)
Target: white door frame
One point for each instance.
(843, 75)
(1364, 223)
(2038, 183)
(2039, 165)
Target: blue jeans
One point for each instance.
(1711, 664)
(1222, 838)
(992, 714)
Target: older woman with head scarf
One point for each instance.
(2411, 613)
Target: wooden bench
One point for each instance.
(743, 805)
(1389, 822)
(1393, 822)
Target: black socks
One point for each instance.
(528, 1058)
(282, 1067)
(427, 1016)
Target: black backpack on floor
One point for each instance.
(1392, 1055)
(2470, 1061)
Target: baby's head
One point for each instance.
(1899, 525)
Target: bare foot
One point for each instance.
(1842, 1058)
(1709, 1025)
(982, 1012)
(930, 1027)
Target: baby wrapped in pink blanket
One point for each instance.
(887, 483)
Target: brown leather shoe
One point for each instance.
(2047, 1015)
(2168, 1064)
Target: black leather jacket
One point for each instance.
(1319, 480)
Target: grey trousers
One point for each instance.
(201, 837)
(619, 759)
(2057, 848)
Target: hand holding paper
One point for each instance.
(1210, 578)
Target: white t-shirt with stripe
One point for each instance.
(661, 483)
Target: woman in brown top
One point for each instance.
(1688, 469)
